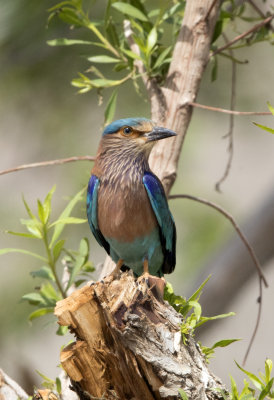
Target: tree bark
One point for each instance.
(129, 346)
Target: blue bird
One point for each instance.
(127, 208)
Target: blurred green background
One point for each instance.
(43, 118)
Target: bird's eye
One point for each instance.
(127, 130)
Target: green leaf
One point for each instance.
(271, 109)
(32, 216)
(80, 260)
(224, 343)
(183, 394)
(49, 293)
(266, 390)
(162, 58)
(67, 42)
(131, 54)
(69, 16)
(235, 393)
(103, 59)
(34, 298)
(110, 108)
(45, 272)
(206, 319)
(58, 385)
(57, 249)
(266, 128)
(28, 235)
(254, 379)
(33, 226)
(40, 312)
(41, 211)
(47, 204)
(65, 214)
(196, 295)
(268, 369)
(151, 40)
(68, 220)
(129, 10)
(62, 330)
(29, 253)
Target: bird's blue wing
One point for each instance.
(165, 220)
(92, 201)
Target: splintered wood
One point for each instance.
(128, 345)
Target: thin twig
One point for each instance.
(239, 37)
(229, 135)
(235, 225)
(225, 111)
(47, 163)
(249, 249)
(260, 302)
(259, 11)
(210, 9)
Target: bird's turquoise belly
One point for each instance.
(133, 253)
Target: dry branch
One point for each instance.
(129, 345)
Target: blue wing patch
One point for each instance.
(92, 196)
(165, 220)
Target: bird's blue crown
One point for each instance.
(116, 125)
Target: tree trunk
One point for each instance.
(129, 345)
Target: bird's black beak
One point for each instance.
(159, 133)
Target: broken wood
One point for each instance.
(129, 345)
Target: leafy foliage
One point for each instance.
(263, 385)
(191, 311)
(143, 34)
(76, 263)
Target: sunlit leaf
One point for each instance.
(57, 249)
(58, 385)
(183, 394)
(103, 59)
(68, 220)
(254, 379)
(29, 253)
(33, 226)
(161, 58)
(66, 213)
(67, 42)
(221, 316)
(28, 235)
(40, 312)
(80, 260)
(224, 343)
(47, 204)
(271, 109)
(129, 10)
(110, 108)
(151, 39)
(266, 390)
(265, 128)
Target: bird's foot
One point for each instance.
(155, 284)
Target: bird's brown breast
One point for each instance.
(125, 214)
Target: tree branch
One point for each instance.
(243, 35)
(225, 111)
(189, 59)
(47, 163)
(250, 251)
(235, 225)
(229, 135)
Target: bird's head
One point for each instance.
(140, 133)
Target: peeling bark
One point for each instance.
(128, 345)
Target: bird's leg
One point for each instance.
(116, 270)
(156, 284)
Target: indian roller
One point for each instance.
(127, 208)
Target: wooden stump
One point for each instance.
(128, 345)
